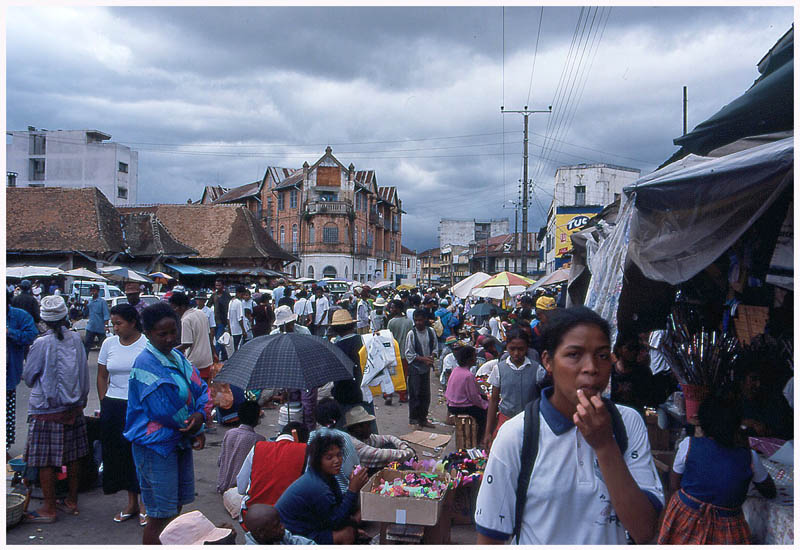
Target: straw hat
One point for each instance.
(192, 528)
(357, 415)
(379, 302)
(341, 317)
(283, 315)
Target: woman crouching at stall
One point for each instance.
(314, 506)
(593, 477)
(165, 417)
(714, 473)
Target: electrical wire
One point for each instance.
(536, 49)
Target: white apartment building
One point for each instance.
(580, 192)
(464, 231)
(72, 158)
(409, 272)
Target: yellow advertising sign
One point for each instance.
(566, 224)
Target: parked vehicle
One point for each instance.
(148, 299)
(83, 289)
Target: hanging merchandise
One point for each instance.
(379, 358)
(393, 363)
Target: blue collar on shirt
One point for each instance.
(559, 423)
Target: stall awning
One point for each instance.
(254, 270)
(190, 269)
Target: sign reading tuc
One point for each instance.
(570, 222)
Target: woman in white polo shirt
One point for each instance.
(583, 489)
(114, 363)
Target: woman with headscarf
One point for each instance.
(58, 375)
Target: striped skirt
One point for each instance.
(690, 521)
(54, 444)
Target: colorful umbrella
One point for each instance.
(123, 274)
(463, 288)
(507, 279)
(160, 275)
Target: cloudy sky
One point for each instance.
(215, 95)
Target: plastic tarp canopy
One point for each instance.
(688, 213)
(463, 288)
(558, 276)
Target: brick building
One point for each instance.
(337, 220)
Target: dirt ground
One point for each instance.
(95, 525)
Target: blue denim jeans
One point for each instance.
(221, 351)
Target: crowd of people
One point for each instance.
(538, 359)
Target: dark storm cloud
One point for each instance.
(215, 95)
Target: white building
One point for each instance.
(409, 272)
(580, 192)
(72, 158)
(464, 231)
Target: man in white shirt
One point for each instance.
(303, 309)
(236, 318)
(321, 307)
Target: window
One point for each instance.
(311, 272)
(358, 201)
(280, 201)
(11, 179)
(580, 195)
(310, 234)
(345, 272)
(293, 198)
(269, 206)
(329, 271)
(391, 245)
(294, 238)
(506, 269)
(122, 193)
(38, 145)
(330, 233)
(123, 167)
(294, 271)
(36, 170)
(327, 196)
(283, 236)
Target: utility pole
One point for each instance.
(525, 114)
(685, 105)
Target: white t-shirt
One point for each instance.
(322, 311)
(494, 376)
(410, 313)
(209, 311)
(235, 313)
(302, 307)
(494, 326)
(658, 361)
(568, 501)
(679, 464)
(118, 360)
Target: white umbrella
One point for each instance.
(382, 284)
(123, 274)
(83, 273)
(463, 288)
(25, 271)
(497, 292)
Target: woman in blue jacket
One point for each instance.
(314, 506)
(164, 420)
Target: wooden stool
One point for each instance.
(466, 432)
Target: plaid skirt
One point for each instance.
(54, 444)
(701, 523)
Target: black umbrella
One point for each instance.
(484, 308)
(287, 360)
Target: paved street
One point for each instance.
(95, 523)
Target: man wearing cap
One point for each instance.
(98, 317)
(285, 321)
(26, 301)
(374, 451)
(544, 305)
(132, 291)
(377, 318)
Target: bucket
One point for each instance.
(291, 411)
(693, 395)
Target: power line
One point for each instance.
(536, 49)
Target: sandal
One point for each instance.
(36, 517)
(69, 509)
(122, 516)
(142, 520)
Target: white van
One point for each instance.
(83, 288)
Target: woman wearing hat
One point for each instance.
(377, 318)
(58, 375)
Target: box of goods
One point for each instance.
(404, 497)
(466, 470)
(427, 444)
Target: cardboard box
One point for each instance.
(425, 444)
(402, 510)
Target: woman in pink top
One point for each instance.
(463, 394)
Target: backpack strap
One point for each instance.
(618, 426)
(530, 448)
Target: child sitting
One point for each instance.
(236, 444)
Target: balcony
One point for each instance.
(374, 218)
(328, 207)
(323, 248)
(363, 250)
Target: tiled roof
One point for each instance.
(407, 251)
(212, 193)
(216, 231)
(364, 177)
(389, 194)
(495, 243)
(430, 252)
(294, 179)
(279, 174)
(239, 193)
(145, 235)
(55, 218)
